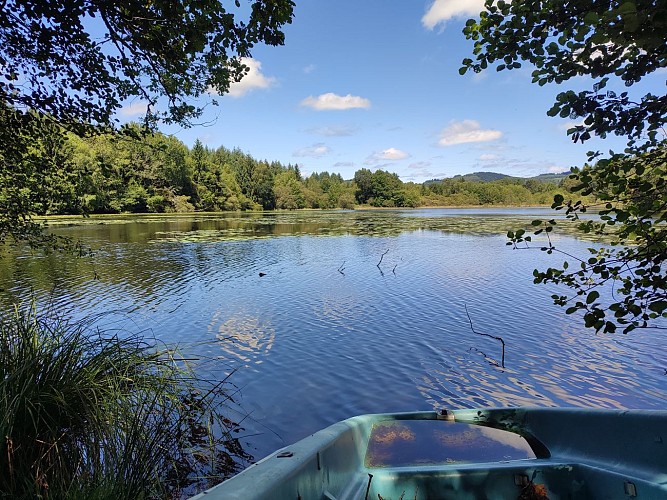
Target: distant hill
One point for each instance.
(482, 177)
(555, 178)
(493, 176)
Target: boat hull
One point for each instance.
(525, 453)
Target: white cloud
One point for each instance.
(391, 154)
(309, 69)
(331, 101)
(134, 109)
(488, 157)
(467, 131)
(442, 11)
(254, 79)
(314, 151)
(554, 169)
(344, 164)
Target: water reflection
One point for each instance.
(313, 345)
(243, 338)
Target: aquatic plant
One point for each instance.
(86, 414)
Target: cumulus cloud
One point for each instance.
(331, 101)
(442, 11)
(134, 109)
(555, 169)
(254, 79)
(467, 131)
(314, 151)
(391, 154)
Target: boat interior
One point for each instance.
(516, 453)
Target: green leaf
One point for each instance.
(658, 306)
(592, 297)
(591, 17)
(627, 8)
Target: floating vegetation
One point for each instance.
(202, 228)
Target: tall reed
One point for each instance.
(89, 415)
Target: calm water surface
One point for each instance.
(327, 333)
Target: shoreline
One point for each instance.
(360, 208)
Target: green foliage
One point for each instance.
(111, 173)
(289, 191)
(89, 415)
(611, 41)
(98, 55)
(383, 189)
(615, 42)
(506, 191)
(633, 195)
(35, 177)
(73, 67)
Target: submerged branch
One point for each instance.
(382, 257)
(502, 363)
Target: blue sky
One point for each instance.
(375, 84)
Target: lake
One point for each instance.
(354, 312)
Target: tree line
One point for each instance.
(156, 173)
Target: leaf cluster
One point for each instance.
(632, 213)
(612, 42)
(618, 40)
(80, 62)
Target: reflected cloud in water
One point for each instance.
(243, 337)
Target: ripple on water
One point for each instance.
(329, 331)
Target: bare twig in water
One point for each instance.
(342, 268)
(502, 363)
(382, 257)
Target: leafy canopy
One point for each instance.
(80, 61)
(74, 65)
(616, 44)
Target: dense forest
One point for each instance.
(158, 173)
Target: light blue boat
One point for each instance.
(515, 453)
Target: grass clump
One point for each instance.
(89, 415)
